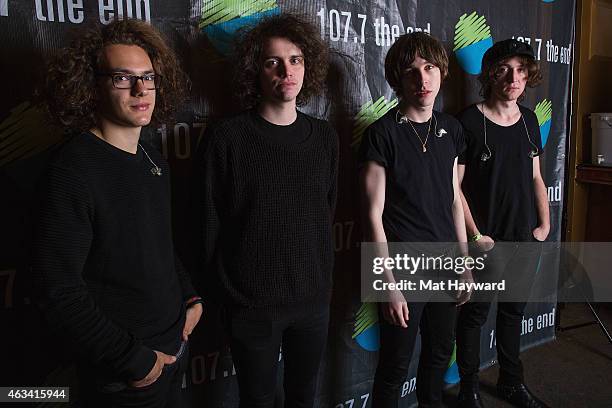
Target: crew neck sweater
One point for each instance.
(266, 209)
(104, 259)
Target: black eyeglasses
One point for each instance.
(128, 81)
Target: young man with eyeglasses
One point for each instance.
(104, 260)
(410, 194)
(505, 202)
(266, 194)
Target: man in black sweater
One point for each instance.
(104, 259)
(266, 188)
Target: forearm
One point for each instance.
(459, 223)
(375, 232)
(471, 228)
(542, 206)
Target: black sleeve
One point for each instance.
(184, 279)
(209, 195)
(333, 183)
(460, 144)
(64, 237)
(469, 119)
(374, 147)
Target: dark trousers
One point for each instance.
(164, 393)
(517, 265)
(436, 321)
(255, 348)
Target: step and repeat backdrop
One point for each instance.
(359, 34)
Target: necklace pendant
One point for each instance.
(424, 149)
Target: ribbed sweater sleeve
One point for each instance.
(64, 239)
(184, 279)
(333, 182)
(210, 179)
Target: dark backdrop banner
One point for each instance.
(359, 34)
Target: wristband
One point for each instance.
(192, 301)
(475, 237)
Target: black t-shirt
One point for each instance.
(419, 185)
(500, 190)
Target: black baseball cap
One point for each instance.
(505, 49)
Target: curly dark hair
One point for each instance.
(71, 93)
(402, 53)
(249, 46)
(487, 76)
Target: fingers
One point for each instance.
(463, 298)
(406, 314)
(398, 314)
(187, 329)
(165, 358)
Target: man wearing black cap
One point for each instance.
(504, 199)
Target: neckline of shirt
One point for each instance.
(518, 121)
(302, 145)
(132, 157)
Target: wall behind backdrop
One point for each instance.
(359, 34)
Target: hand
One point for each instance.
(485, 243)
(162, 360)
(541, 232)
(463, 296)
(396, 311)
(191, 320)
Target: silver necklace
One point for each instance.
(423, 143)
(155, 170)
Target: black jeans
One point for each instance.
(255, 348)
(437, 321)
(165, 392)
(517, 265)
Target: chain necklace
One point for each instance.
(155, 170)
(423, 143)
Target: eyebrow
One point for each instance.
(291, 56)
(129, 71)
(508, 65)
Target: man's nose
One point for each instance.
(139, 87)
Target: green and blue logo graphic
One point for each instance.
(24, 133)
(452, 374)
(221, 19)
(543, 111)
(472, 39)
(366, 332)
(368, 114)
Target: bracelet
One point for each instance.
(192, 301)
(475, 237)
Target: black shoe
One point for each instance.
(469, 398)
(518, 395)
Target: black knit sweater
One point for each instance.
(265, 211)
(104, 258)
